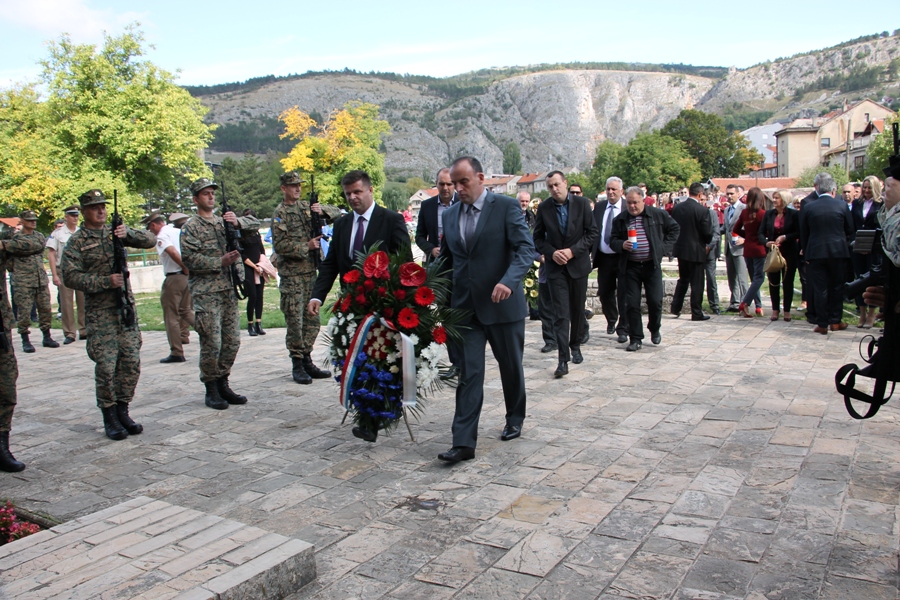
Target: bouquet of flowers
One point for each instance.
(386, 332)
(530, 281)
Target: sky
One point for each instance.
(228, 40)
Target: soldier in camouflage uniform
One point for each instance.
(9, 370)
(295, 247)
(29, 280)
(216, 316)
(115, 348)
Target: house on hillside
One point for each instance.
(859, 146)
(762, 138)
(526, 183)
(806, 143)
(540, 183)
(497, 185)
(416, 200)
(769, 169)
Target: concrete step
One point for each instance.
(149, 549)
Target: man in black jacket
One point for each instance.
(691, 250)
(430, 227)
(564, 234)
(655, 233)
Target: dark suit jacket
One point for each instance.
(825, 229)
(599, 213)
(386, 226)
(696, 230)
(502, 252)
(427, 238)
(870, 221)
(811, 197)
(661, 229)
(791, 245)
(581, 235)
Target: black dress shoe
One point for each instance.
(365, 434)
(82, 336)
(172, 359)
(732, 309)
(457, 453)
(611, 329)
(251, 329)
(450, 374)
(622, 338)
(716, 311)
(548, 347)
(561, 370)
(634, 346)
(511, 432)
(676, 314)
(655, 338)
(700, 318)
(68, 340)
(577, 358)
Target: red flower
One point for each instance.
(424, 296)
(369, 285)
(439, 334)
(408, 319)
(351, 277)
(361, 300)
(360, 289)
(376, 265)
(388, 312)
(412, 275)
(345, 303)
(382, 290)
(400, 295)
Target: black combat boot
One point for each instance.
(251, 329)
(111, 424)
(298, 372)
(259, 328)
(49, 342)
(227, 394)
(213, 399)
(26, 344)
(312, 370)
(8, 462)
(126, 421)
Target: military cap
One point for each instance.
(153, 216)
(177, 216)
(92, 197)
(291, 178)
(202, 184)
(72, 210)
(28, 215)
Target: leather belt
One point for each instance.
(174, 273)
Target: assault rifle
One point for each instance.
(233, 242)
(120, 267)
(316, 222)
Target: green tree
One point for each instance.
(806, 177)
(395, 196)
(512, 159)
(253, 183)
(720, 153)
(582, 179)
(109, 120)
(660, 161)
(880, 149)
(349, 140)
(413, 185)
(606, 161)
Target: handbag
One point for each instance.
(774, 261)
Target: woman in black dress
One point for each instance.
(254, 283)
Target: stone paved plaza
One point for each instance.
(720, 464)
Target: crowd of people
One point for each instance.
(487, 243)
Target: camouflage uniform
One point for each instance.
(29, 280)
(216, 315)
(9, 371)
(87, 264)
(291, 232)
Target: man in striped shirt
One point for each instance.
(641, 236)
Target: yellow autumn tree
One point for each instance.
(349, 140)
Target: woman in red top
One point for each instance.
(754, 251)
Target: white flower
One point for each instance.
(394, 369)
(414, 339)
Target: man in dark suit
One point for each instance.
(609, 288)
(489, 249)
(430, 227)
(564, 233)
(655, 233)
(691, 249)
(826, 229)
(356, 231)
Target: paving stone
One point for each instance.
(649, 575)
(459, 564)
(497, 583)
(536, 554)
(720, 575)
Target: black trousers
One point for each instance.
(690, 273)
(545, 312)
(254, 294)
(647, 274)
(827, 277)
(567, 296)
(783, 278)
(611, 291)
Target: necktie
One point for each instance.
(470, 226)
(607, 229)
(360, 234)
(730, 213)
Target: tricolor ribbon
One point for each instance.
(407, 358)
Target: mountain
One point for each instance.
(556, 114)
